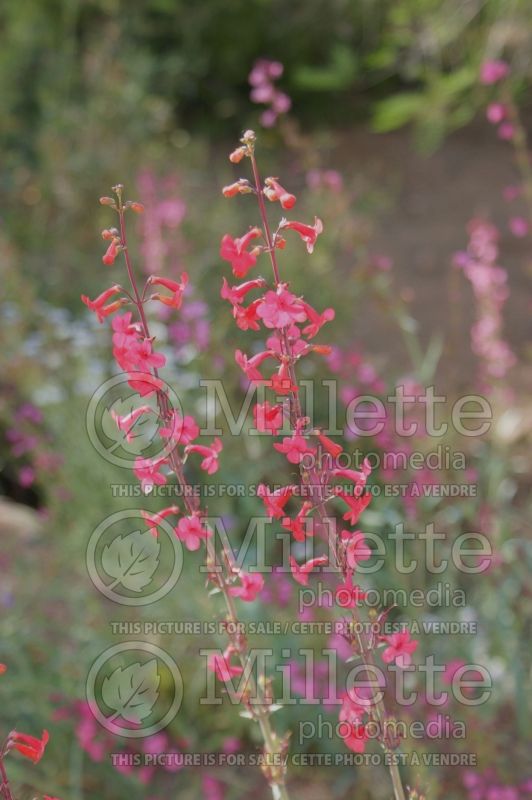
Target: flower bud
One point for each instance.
(138, 208)
(107, 201)
(237, 155)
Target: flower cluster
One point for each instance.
(289, 324)
(263, 90)
(489, 282)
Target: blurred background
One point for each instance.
(404, 126)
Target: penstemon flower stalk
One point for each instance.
(133, 350)
(293, 323)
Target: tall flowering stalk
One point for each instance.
(292, 323)
(133, 349)
(490, 287)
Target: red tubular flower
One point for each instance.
(295, 448)
(274, 502)
(29, 746)
(222, 667)
(144, 383)
(301, 573)
(147, 471)
(99, 307)
(241, 186)
(355, 736)
(183, 430)
(154, 520)
(281, 308)
(177, 288)
(127, 422)
(210, 454)
(237, 155)
(111, 252)
(190, 531)
(356, 505)
(317, 321)
(246, 317)
(400, 648)
(347, 594)
(297, 526)
(274, 191)
(252, 585)
(332, 448)
(280, 381)
(251, 365)
(235, 294)
(235, 251)
(268, 418)
(308, 233)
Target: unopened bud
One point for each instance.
(107, 201)
(237, 155)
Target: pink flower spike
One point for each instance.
(400, 648)
(147, 471)
(308, 233)
(252, 585)
(281, 308)
(357, 549)
(191, 532)
(154, 520)
(493, 71)
(274, 191)
(295, 448)
(301, 573)
(210, 455)
(268, 418)
(235, 251)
